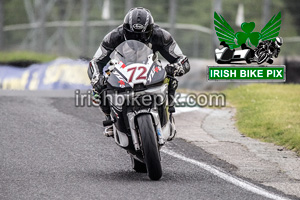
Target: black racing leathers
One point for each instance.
(160, 41)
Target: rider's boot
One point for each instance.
(108, 129)
(172, 128)
(107, 123)
(173, 84)
(171, 109)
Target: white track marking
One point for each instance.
(225, 176)
(185, 109)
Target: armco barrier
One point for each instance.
(62, 73)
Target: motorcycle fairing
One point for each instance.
(126, 77)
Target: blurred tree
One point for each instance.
(188, 12)
(1, 24)
(14, 12)
(194, 12)
(293, 6)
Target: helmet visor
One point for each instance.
(137, 35)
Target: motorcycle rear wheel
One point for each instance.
(149, 146)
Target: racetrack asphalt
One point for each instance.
(51, 149)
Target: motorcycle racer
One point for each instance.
(138, 25)
(273, 46)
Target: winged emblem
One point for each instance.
(234, 40)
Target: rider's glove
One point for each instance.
(98, 82)
(175, 69)
(170, 69)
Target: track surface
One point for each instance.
(51, 149)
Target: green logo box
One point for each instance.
(250, 73)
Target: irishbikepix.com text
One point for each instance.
(87, 98)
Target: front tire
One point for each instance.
(263, 56)
(149, 146)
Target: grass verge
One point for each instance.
(16, 56)
(270, 112)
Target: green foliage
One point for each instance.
(194, 12)
(14, 12)
(293, 6)
(269, 112)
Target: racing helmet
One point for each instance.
(278, 42)
(138, 24)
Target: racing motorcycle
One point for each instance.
(137, 87)
(264, 52)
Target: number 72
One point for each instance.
(140, 76)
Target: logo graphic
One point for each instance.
(138, 26)
(266, 43)
(121, 82)
(156, 69)
(121, 79)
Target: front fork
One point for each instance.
(131, 118)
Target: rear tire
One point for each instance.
(270, 61)
(149, 146)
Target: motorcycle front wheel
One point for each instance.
(263, 56)
(149, 146)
